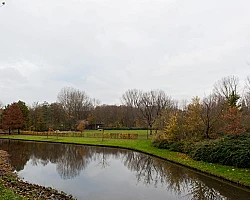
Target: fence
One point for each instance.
(132, 136)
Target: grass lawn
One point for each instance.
(237, 175)
(142, 134)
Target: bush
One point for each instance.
(230, 150)
(183, 147)
(177, 146)
(159, 142)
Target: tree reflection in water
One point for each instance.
(154, 171)
(201, 191)
(70, 160)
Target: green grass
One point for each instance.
(237, 175)
(8, 194)
(140, 132)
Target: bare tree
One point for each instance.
(150, 104)
(212, 107)
(246, 98)
(76, 103)
(232, 115)
(227, 87)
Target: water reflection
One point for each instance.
(71, 160)
(178, 180)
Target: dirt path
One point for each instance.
(30, 191)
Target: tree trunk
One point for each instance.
(150, 127)
(18, 131)
(9, 130)
(207, 132)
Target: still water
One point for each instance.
(98, 173)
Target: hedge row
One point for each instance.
(229, 150)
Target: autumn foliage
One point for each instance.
(232, 118)
(12, 118)
(81, 126)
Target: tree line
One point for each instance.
(224, 111)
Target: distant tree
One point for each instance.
(41, 123)
(227, 88)
(109, 115)
(212, 107)
(233, 124)
(25, 111)
(1, 112)
(12, 118)
(81, 126)
(58, 117)
(193, 121)
(76, 104)
(245, 105)
(162, 121)
(150, 104)
(172, 129)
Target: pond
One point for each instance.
(98, 173)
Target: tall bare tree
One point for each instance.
(212, 107)
(246, 98)
(232, 116)
(228, 88)
(76, 103)
(150, 104)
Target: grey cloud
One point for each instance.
(108, 46)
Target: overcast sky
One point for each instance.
(105, 47)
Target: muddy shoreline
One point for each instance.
(29, 191)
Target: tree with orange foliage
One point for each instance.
(12, 118)
(232, 115)
(81, 126)
(233, 124)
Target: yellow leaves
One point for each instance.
(172, 129)
(172, 125)
(193, 116)
(183, 156)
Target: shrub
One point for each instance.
(230, 150)
(177, 146)
(183, 147)
(160, 142)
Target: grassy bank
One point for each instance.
(8, 194)
(237, 175)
